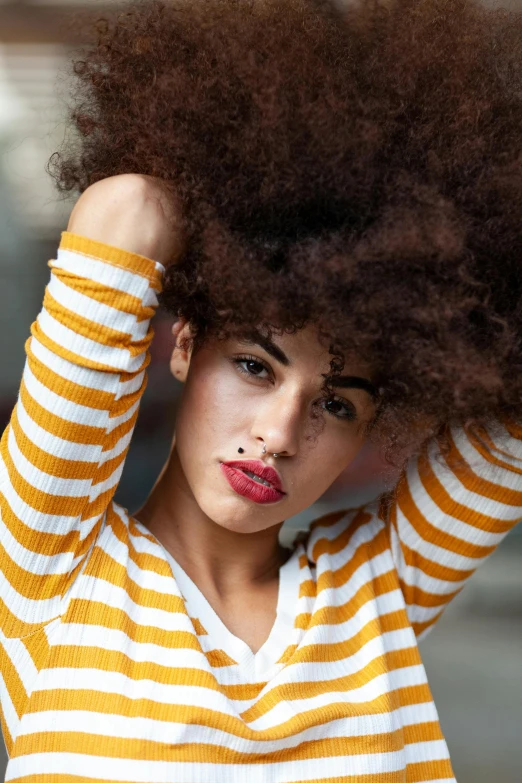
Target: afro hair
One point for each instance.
(354, 166)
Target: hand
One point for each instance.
(134, 212)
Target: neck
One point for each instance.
(209, 553)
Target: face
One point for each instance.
(244, 394)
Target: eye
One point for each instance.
(340, 408)
(249, 365)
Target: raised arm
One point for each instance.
(63, 451)
(451, 512)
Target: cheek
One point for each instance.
(209, 407)
(326, 460)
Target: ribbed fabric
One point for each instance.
(104, 674)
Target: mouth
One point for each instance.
(254, 480)
(257, 478)
(258, 471)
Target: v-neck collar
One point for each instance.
(265, 663)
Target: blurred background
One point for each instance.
(474, 656)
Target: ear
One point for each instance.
(181, 355)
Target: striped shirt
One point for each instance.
(106, 672)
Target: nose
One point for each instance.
(278, 424)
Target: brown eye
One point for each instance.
(340, 409)
(254, 368)
(251, 366)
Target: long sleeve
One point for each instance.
(449, 513)
(63, 451)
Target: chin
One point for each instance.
(241, 516)
(241, 527)
(244, 526)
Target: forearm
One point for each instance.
(63, 451)
(451, 512)
(132, 212)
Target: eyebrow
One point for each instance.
(337, 381)
(353, 382)
(271, 348)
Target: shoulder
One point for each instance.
(127, 543)
(343, 531)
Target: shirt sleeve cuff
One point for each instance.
(132, 262)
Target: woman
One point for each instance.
(330, 205)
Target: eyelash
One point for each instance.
(240, 360)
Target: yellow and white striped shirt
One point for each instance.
(107, 675)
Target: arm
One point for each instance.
(63, 452)
(450, 512)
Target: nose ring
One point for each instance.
(264, 450)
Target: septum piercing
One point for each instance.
(264, 450)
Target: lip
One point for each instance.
(247, 487)
(265, 472)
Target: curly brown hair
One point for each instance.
(355, 167)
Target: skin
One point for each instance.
(235, 394)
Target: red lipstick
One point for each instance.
(263, 485)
